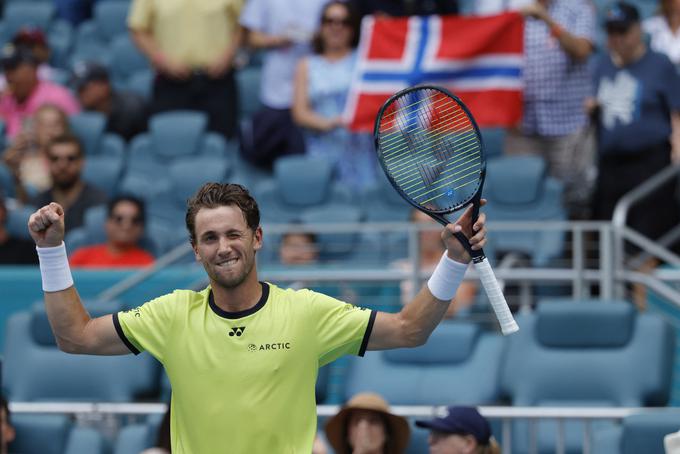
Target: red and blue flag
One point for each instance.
(478, 58)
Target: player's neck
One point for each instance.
(239, 298)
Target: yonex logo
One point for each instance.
(237, 331)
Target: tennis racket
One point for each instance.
(431, 150)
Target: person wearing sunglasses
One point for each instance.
(322, 84)
(124, 229)
(65, 161)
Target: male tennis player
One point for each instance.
(242, 355)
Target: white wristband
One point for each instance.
(446, 278)
(54, 269)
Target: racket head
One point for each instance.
(431, 150)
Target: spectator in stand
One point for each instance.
(66, 160)
(322, 83)
(366, 425)
(25, 92)
(34, 39)
(8, 433)
(284, 30)
(558, 39)
(127, 113)
(298, 248)
(192, 46)
(14, 251)
(637, 110)
(664, 30)
(462, 430)
(124, 230)
(26, 156)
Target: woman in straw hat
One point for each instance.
(366, 426)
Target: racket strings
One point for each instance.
(418, 155)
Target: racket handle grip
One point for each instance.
(498, 303)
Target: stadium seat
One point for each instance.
(517, 188)
(90, 128)
(53, 434)
(299, 183)
(574, 353)
(22, 14)
(36, 370)
(6, 181)
(493, 139)
(141, 82)
(126, 60)
(638, 433)
(248, 80)
(109, 21)
(103, 172)
(17, 221)
(134, 438)
(459, 364)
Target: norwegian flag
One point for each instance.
(478, 58)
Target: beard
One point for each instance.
(65, 184)
(232, 281)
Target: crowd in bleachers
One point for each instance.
(120, 109)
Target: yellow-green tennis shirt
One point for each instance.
(243, 382)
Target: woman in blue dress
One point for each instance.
(322, 82)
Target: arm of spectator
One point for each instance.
(73, 328)
(226, 60)
(259, 40)
(413, 325)
(303, 114)
(577, 47)
(675, 137)
(146, 43)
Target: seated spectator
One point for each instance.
(66, 159)
(664, 30)
(127, 113)
(14, 251)
(321, 87)
(26, 92)
(124, 229)
(298, 248)
(461, 431)
(366, 425)
(26, 156)
(35, 40)
(7, 435)
(430, 247)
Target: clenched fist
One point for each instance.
(46, 225)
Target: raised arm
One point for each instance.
(413, 325)
(72, 326)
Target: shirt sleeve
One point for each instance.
(141, 15)
(146, 328)
(585, 22)
(254, 16)
(341, 328)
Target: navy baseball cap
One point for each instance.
(620, 16)
(12, 56)
(460, 421)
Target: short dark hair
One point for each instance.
(354, 24)
(139, 203)
(67, 139)
(214, 195)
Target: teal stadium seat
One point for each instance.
(638, 433)
(459, 364)
(134, 438)
(126, 60)
(54, 434)
(36, 370)
(575, 353)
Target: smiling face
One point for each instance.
(366, 431)
(226, 246)
(444, 443)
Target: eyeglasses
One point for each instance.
(119, 219)
(70, 158)
(345, 22)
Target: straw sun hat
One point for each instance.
(398, 430)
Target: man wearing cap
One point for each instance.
(637, 110)
(460, 430)
(126, 112)
(25, 91)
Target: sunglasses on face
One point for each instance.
(70, 158)
(345, 22)
(119, 219)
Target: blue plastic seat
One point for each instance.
(90, 128)
(17, 221)
(248, 80)
(53, 434)
(36, 370)
(126, 60)
(134, 438)
(638, 433)
(459, 364)
(109, 21)
(571, 353)
(517, 188)
(22, 14)
(141, 82)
